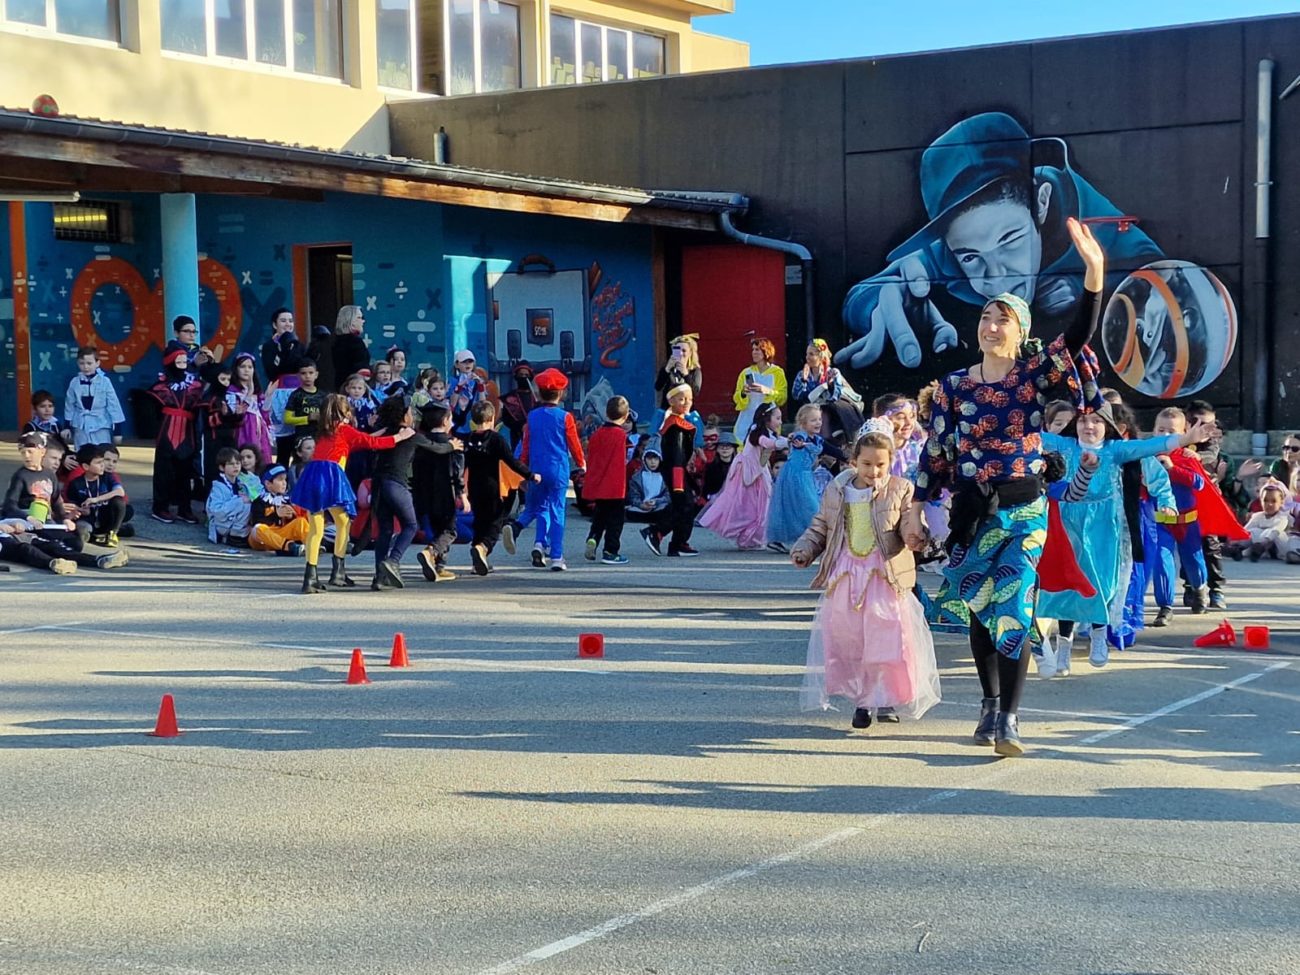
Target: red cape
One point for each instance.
(1058, 569)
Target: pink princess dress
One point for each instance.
(253, 428)
(870, 643)
(739, 511)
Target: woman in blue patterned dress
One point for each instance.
(985, 444)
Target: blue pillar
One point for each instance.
(180, 259)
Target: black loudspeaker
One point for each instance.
(566, 345)
(514, 344)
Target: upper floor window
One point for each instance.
(303, 35)
(396, 43)
(584, 52)
(484, 47)
(98, 19)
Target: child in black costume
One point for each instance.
(488, 458)
(439, 489)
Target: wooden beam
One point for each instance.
(165, 161)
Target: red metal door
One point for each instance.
(730, 294)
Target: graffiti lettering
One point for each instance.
(613, 323)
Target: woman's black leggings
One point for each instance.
(1000, 676)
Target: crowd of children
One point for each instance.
(290, 468)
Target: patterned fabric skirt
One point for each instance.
(323, 485)
(995, 578)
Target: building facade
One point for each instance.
(923, 184)
(321, 72)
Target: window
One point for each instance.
(97, 19)
(483, 41)
(396, 43)
(304, 35)
(101, 223)
(604, 53)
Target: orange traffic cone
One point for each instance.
(591, 645)
(357, 672)
(399, 658)
(166, 726)
(1221, 636)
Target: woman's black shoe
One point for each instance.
(887, 716)
(861, 718)
(310, 581)
(1007, 737)
(338, 576)
(391, 574)
(988, 721)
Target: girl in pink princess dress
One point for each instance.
(870, 643)
(739, 510)
(245, 398)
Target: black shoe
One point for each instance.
(684, 550)
(338, 575)
(478, 554)
(293, 550)
(988, 721)
(1189, 596)
(186, 517)
(539, 559)
(886, 716)
(1217, 601)
(165, 517)
(379, 583)
(651, 539)
(427, 565)
(1235, 552)
(391, 573)
(1163, 615)
(126, 531)
(861, 718)
(310, 581)
(1006, 739)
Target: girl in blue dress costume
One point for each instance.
(985, 444)
(795, 497)
(1096, 523)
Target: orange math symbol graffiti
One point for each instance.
(613, 323)
(148, 328)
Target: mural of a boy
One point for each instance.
(997, 202)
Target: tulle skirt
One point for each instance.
(795, 498)
(870, 645)
(323, 485)
(739, 511)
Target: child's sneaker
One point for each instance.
(1045, 660)
(294, 549)
(163, 516)
(539, 557)
(683, 550)
(444, 574)
(1099, 655)
(63, 567)
(1163, 615)
(114, 560)
(651, 539)
(99, 538)
(608, 559)
(558, 565)
(590, 553)
(187, 517)
(1217, 601)
(428, 567)
(111, 540)
(478, 554)
(508, 537)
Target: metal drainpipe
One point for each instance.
(1263, 256)
(798, 251)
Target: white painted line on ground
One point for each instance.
(839, 836)
(33, 629)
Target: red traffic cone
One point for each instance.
(1221, 636)
(591, 645)
(166, 726)
(1256, 637)
(357, 672)
(399, 658)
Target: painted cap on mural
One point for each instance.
(971, 156)
(1019, 307)
(552, 379)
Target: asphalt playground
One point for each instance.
(504, 806)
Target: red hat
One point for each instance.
(170, 358)
(551, 379)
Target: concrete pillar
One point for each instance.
(180, 259)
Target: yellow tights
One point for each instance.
(316, 533)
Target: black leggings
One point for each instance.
(1000, 676)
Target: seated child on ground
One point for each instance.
(276, 524)
(227, 509)
(98, 496)
(250, 471)
(1269, 528)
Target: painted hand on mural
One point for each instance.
(902, 310)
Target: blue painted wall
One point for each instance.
(421, 273)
